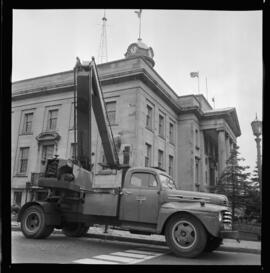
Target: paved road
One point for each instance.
(60, 249)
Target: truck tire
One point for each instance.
(75, 229)
(185, 236)
(213, 243)
(33, 223)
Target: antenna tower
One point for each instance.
(102, 52)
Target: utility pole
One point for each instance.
(102, 52)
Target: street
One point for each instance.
(64, 250)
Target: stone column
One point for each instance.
(221, 151)
(228, 148)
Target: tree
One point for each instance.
(253, 203)
(233, 181)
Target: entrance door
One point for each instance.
(139, 201)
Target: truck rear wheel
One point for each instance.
(185, 236)
(213, 243)
(75, 229)
(33, 223)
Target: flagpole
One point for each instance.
(140, 26)
(206, 88)
(198, 82)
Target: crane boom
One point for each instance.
(89, 96)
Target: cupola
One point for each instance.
(140, 49)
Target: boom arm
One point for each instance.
(89, 95)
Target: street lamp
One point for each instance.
(257, 131)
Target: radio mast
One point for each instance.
(102, 52)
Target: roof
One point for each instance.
(229, 114)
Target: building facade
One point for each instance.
(151, 124)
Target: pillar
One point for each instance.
(221, 151)
(228, 148)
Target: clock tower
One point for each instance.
(140, 49)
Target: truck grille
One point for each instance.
(226, 217)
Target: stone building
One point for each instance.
(152, 125)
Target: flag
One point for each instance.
(139, 13)
(194, 74)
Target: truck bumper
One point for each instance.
(229, 234)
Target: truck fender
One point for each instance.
(52, 216)
(208, 219)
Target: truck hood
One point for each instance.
(191, 196)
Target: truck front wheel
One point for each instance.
(75, 229)
(185, 236)
(33, 223)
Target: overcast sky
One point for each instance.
(224, 46)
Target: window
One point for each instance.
(167, 182)
(152, 183)
(27, 123)
(17, 198)
(161, 126)
(171, 133)
(148, 155)
(111, 111)
(24, 153)
(197, 143)
(171, 165)
(47, 152)
(138, 180)
(143, 180)
(160, 159)
(197, 171)
(74, 150)
(126, 155)
(52, 120)
(149, 117)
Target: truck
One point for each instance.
(146, 200)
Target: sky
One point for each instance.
(224, 46)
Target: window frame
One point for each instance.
(17, 193)
(114, 102)
(73, 151)
(160, 152)
(25, 122)
(148, 156)
(149, 118)
(172, 132)
(171, 166)
(161, 126)
(147, 182)
(43, 159)
(49, 118)
(19, 169)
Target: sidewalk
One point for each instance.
(120, 235)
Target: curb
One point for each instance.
(152, 242)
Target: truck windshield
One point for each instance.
(167, 182)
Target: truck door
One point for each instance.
(140, 198)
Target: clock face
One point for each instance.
(133, 49)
